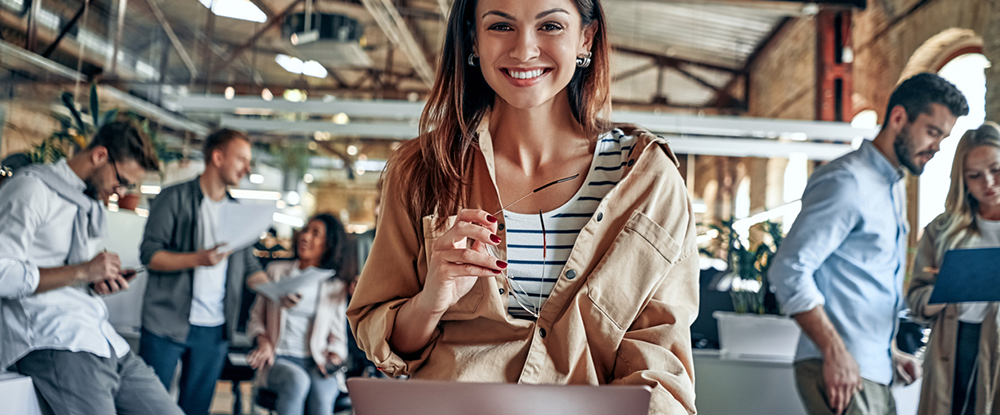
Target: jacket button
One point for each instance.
(500, 227)
(631, 162)
(600, 215)
(541, 332)
(501, 291)
(570, 274)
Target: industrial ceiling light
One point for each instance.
(256, 178)
(341, 119)
(297, 66)
(352, 149)
(294, 95)
(266, 94)
(230, 92)
(236, 9)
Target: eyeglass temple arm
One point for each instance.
(540, 188)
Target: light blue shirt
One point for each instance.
(847, 252)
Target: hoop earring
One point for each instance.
(472, 59)
(583, 61)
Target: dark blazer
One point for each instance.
(173, 226)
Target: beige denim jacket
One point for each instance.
(328, 332)
(939, 361)
(622, 316)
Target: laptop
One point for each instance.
(423, 397)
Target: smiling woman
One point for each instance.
(587, 271)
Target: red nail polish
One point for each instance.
(495, 271)
(502, 264)
(491, 218)
(495, 239)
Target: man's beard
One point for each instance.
(904, 152)
(91, 189)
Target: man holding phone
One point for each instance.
(54, 327)
(192, 301)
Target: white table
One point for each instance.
(17, 395)
(749, 387)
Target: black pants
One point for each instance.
(966, 354)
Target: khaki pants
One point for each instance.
(874, 398)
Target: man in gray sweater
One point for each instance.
(193, 297)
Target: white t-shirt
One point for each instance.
(293, 337)
(534, 274)
(209, 282)
(990, 238)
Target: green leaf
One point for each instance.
(109, 117)
(67, 100)
(94, 110)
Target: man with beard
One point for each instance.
(840, 270)
(53, 326)
(192, 301)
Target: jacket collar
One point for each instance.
(194, 186)
(644, 139)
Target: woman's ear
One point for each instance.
(588, 37)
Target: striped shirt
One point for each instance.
(533, 273)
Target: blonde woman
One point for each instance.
(962, 360)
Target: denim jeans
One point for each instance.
(300, 385)
(202, 357)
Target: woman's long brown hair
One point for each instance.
(430, 170)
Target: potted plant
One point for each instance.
(756, 330)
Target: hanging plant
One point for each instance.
(74, 132)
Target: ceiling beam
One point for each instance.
(178, 46)
(633, 72)
(765, 43)
(253, 39)
(264, 8)
(62, 33)
(671, 61)
(391, 22)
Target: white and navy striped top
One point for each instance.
(536, 274)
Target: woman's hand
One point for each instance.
(262, 355)
(931, 310)
(290, 300)
(455, 265)
(332, 362)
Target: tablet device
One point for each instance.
(423, 397)
(968, 275)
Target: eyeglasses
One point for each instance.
(520, 294)
(127, 185)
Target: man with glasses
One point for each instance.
(195, 288)
(54, 326)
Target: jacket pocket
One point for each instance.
(632, 269)
(465, 308)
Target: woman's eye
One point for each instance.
(550, 27)
(502, 27)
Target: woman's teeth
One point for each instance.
(527, 74)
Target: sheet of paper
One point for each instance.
(276, 290)
(968, 275)
(240, 225)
